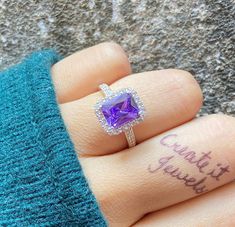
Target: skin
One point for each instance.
(139, 186)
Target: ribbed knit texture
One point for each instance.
(41, 180)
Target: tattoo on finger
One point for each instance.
(202, 161)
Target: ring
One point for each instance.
(119, 111)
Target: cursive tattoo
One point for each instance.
(164, 164)
(217, 173)
(201, 160)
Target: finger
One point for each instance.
(180, 164)
(81, 73)
(212, 209)
(171, 97)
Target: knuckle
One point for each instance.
(112, 45)
(185, 78)
(115, 53)
(190, 92)
(225, 220)
(222, 120)
(222, 125)
(113, 49)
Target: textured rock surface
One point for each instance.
(195, 35)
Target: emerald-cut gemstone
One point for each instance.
(120, 110)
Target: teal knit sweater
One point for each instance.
(41, 180)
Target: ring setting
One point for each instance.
(119, 111)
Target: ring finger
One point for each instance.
(171, 97)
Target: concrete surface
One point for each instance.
(195, 35)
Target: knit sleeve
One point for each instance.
(41, 180)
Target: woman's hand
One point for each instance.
(176, 158)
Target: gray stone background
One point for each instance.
(195, 35)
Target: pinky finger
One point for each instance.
(214, 209)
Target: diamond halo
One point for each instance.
(111, 130)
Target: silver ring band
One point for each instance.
(130, 137)
(105, 89)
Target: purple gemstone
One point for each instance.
(120, 110)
